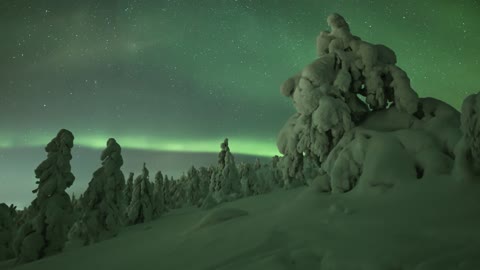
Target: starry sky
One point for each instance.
(170, 79)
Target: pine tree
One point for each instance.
(103, 204)
(141, 209)
(7, 231)
(49, 217)
(127, 193)
(158, 195)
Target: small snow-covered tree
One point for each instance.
(49, 217)
(223, 153)
(158, 195)
(248, 177)
(277, 173)
(127, 192)
(103, 204)
(7, 231)
(205, 175)
(258, 164)
(225, 181)
(193, 187)
(230, 178)
(141, 208)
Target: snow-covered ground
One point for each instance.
(428, 224)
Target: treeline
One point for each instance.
(54, 219)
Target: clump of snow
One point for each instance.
(49, 217)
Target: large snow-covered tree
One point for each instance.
(325, 95)
(102, 204)
(467, 151)
(49, 217)
(141, 208)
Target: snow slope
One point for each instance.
(432, 223)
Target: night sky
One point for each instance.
(170, 79)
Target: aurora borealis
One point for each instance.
(179, 76)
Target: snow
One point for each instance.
(429, 224)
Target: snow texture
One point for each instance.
(49, 216)
(103, 204)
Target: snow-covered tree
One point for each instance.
(248, 177)
(277, 173)
(7, 231)
(141, 208)
(193, 191)
(158, 195)
(467, 150)
(103, 204)
(230, 178)
(166, 192)
(258, 164)
(223, 153)
(225, 181)
(49, 217)
(127, 192)
(205, 175)
(325, 95)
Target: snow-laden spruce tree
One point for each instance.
(49, 217)
(141, 208)
(158, 195)
(193, 191)
(127, 192)
(248, 177)
(167, 192)
(223, 153)
(277, 173)
(325, 95)
(467, 150)
(205, 174)
(103, 204)
(7, 231)
(225, 181)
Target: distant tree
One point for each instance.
(225, 181)
(166, 192)
(141, 209)
(248, 179)
(49, 217)
(205, 175)
(193, 187)
(158, 195)
(103, 204)
(127, 193)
